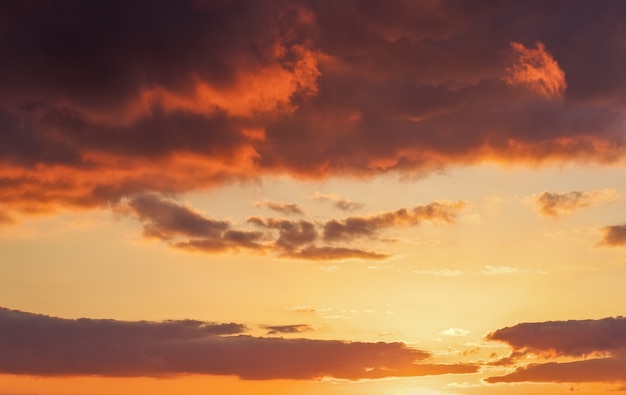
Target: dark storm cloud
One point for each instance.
(42, 345)
(601, 343)
(104, 101)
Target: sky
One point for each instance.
(313, 197)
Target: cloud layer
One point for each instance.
(600, 343)
(102, 102)
(42, 345)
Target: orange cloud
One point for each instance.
(105, 103)
(537, 70)
(614, 236)
(554, 204)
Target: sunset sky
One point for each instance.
(312, 197)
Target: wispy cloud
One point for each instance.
(369, 226)
(283, 208)
(288, 329)
(537, 70)
(440, 272)
(555, 204)
(454, 332)
(338, 201)
(334, 253)
(490, 270)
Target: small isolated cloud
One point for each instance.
(288, 329)
(440, 272)
(496, 270)
(599, 346)
(283, 208)
(48, 346)
(555, 204)
(536, 70)
(614, 236)
(304, 309)
(462, 385)
(338, 201)
(454, 332)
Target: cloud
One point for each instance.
(590, 370)
(338, 201)
(283, 208)
(184, 228)
(334, 253)
(291, 234)
(455, 332)
(167, 220)
(104, 102)
(614, 236)
(304, 309)
(601, 343)
(288, 329)
(441, 272)
(537, 70)
(496, 270)
(554, 204)
(42, 345)
(369, 226)
(569, 338)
